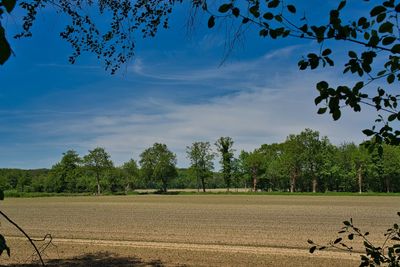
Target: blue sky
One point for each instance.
(174, 91)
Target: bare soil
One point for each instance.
(192, 230)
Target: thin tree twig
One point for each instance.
(26, 235)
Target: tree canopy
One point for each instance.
(158, 163)
(201, 161)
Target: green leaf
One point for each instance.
(268, 16)
(322, 110)
(336, 114)
(347, 223)
(273, 3)
(386, 27)
(278, 18)
(388, 40)
(367, 132)
(254, 10)
(380, 151)
(341, 5)
(337, 240)
(5, 49)
(211, 22)
(397, 8)
(380, 17)
(224, 8)
(236, 11)
(9, 5)
(390, 78)
(322, 85)
(3, 245)
(291, 8)
(326, 52)
(352, 54)
(392, 117)
(396, 48)
(377, 10)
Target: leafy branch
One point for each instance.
(388, 254)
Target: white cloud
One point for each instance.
(268, 101)
(251, 118)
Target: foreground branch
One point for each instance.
(26, 235)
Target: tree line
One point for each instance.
(304, 162)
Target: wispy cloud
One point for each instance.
(265, 102)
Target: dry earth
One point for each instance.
(192, 230)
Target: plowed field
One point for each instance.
(192, 230)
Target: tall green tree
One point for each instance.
(64, 174)
(273, 165)
(201, 161)
(362, 164)
(311, 155)
(98, 161)
(224, 147)
(158, 163)
(131, 174)
(253, 163)
(293, 164)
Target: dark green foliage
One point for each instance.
(305, 162)
(158, 164)
(98, 162)
(3, 246)
(224, 147)
(201, 159)
(5, 49)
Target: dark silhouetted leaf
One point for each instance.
(367, 132)
(377, 10)
(224, 8)
(9, 5)
(5, 49)
(211, 22)
(341, 5)
(291, 8)
(337, 240)
(268, 16)
(388, 40)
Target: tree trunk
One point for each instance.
(293, 183)
(203, 183)
(314, 185)
(164, 181)
(198, 182)
(359, 179)
(254, 180)
(127, 188)
(98, 184)
(387, 182)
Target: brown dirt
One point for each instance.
(195, 230)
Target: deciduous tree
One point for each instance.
(158, 163)
(98, 161)
(224, 147)
(201, 161)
